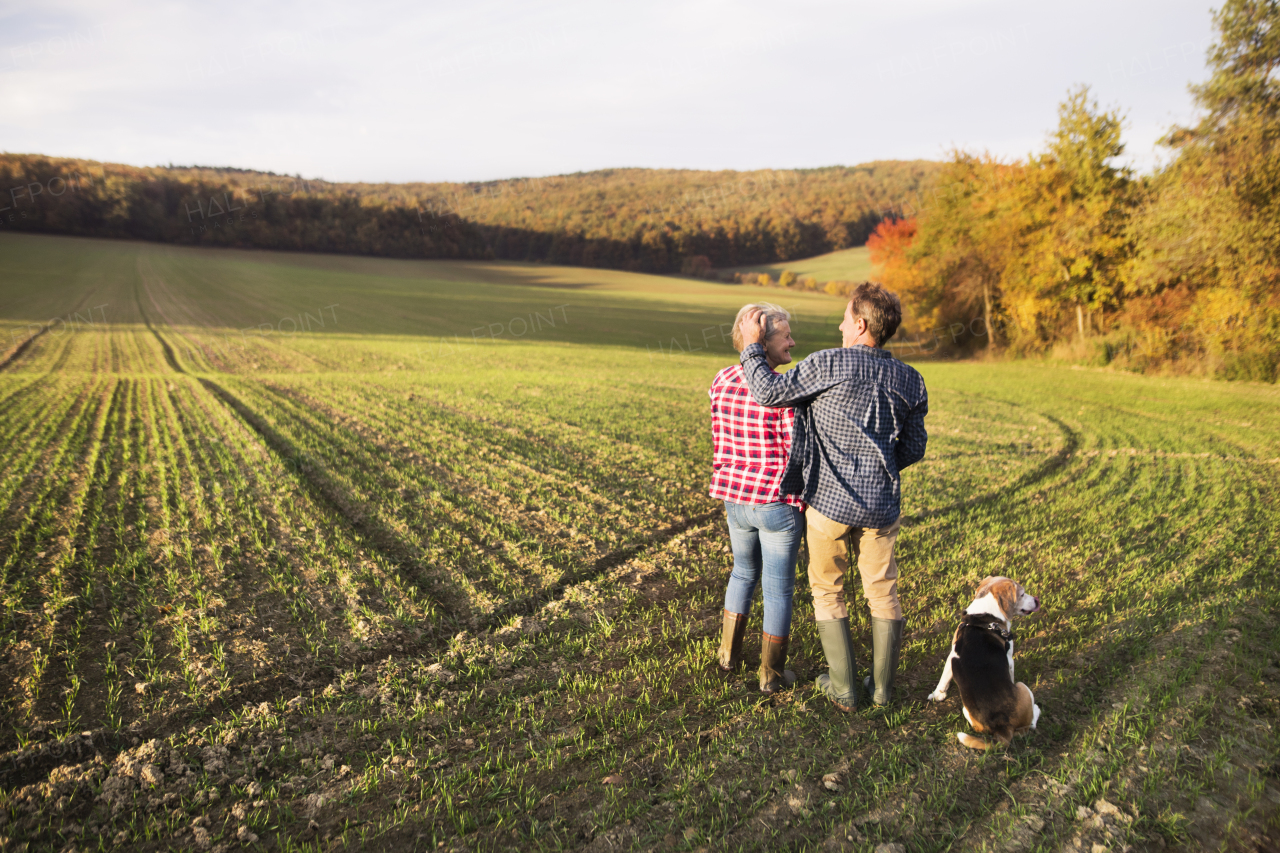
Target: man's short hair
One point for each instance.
(773, 315)
(881, 309)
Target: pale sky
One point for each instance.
(431, 91)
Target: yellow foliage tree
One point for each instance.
(1074, 207)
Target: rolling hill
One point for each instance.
(646, 220)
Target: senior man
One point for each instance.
(859, 420)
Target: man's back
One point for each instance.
(859, 421)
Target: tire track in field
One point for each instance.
(1109, 650)
(199, 419)
(391, 542)
(14, 354)
(385, 541)
(18, 351)
(197, 317)
(484, 502)
(272, 686)
(1059, 459)
(206, 417)
(531, 434)
(469, 577)
(565, 574)
(169, 357)
(1160, 646)
(600, 567)
(565, 462)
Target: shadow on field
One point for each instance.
(598, 568)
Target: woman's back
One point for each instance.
(750, 443)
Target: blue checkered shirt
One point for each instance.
(859, 422)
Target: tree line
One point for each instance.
(1067, 253)
(648, 220)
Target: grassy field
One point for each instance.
(314, 553)
(843, 265)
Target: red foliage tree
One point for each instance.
(888, 244)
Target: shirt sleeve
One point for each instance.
(777, 390)
(913, 439)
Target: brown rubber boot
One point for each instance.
(774, 675)
(735, 628)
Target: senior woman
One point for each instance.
(751, 444)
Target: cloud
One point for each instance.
(411, 91)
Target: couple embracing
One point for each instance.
(816, 452)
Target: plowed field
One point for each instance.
(306, 552)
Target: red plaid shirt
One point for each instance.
(750, 443)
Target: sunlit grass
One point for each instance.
(374, 590)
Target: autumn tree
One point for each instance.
(965, 240)
(1206, 277)
(1017, 243)
(888, 246)
(1073, 209)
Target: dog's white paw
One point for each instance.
(1035, 715)
(937, 696)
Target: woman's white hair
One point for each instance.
(773, 315)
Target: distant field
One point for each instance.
(845, 265)
(229, 292)
(341, 553)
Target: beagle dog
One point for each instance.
(981, 662)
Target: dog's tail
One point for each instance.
(973, 742)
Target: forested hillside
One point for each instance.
(635, 219)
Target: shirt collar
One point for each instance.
(872, 351)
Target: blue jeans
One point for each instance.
(766, 540)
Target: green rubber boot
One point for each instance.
(886, 642)
(840, 682)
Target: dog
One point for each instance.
(981, 662)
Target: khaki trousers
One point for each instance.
(830, 544)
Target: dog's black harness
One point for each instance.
(984, 622)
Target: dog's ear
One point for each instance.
(1006, 593)
(985, 586)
